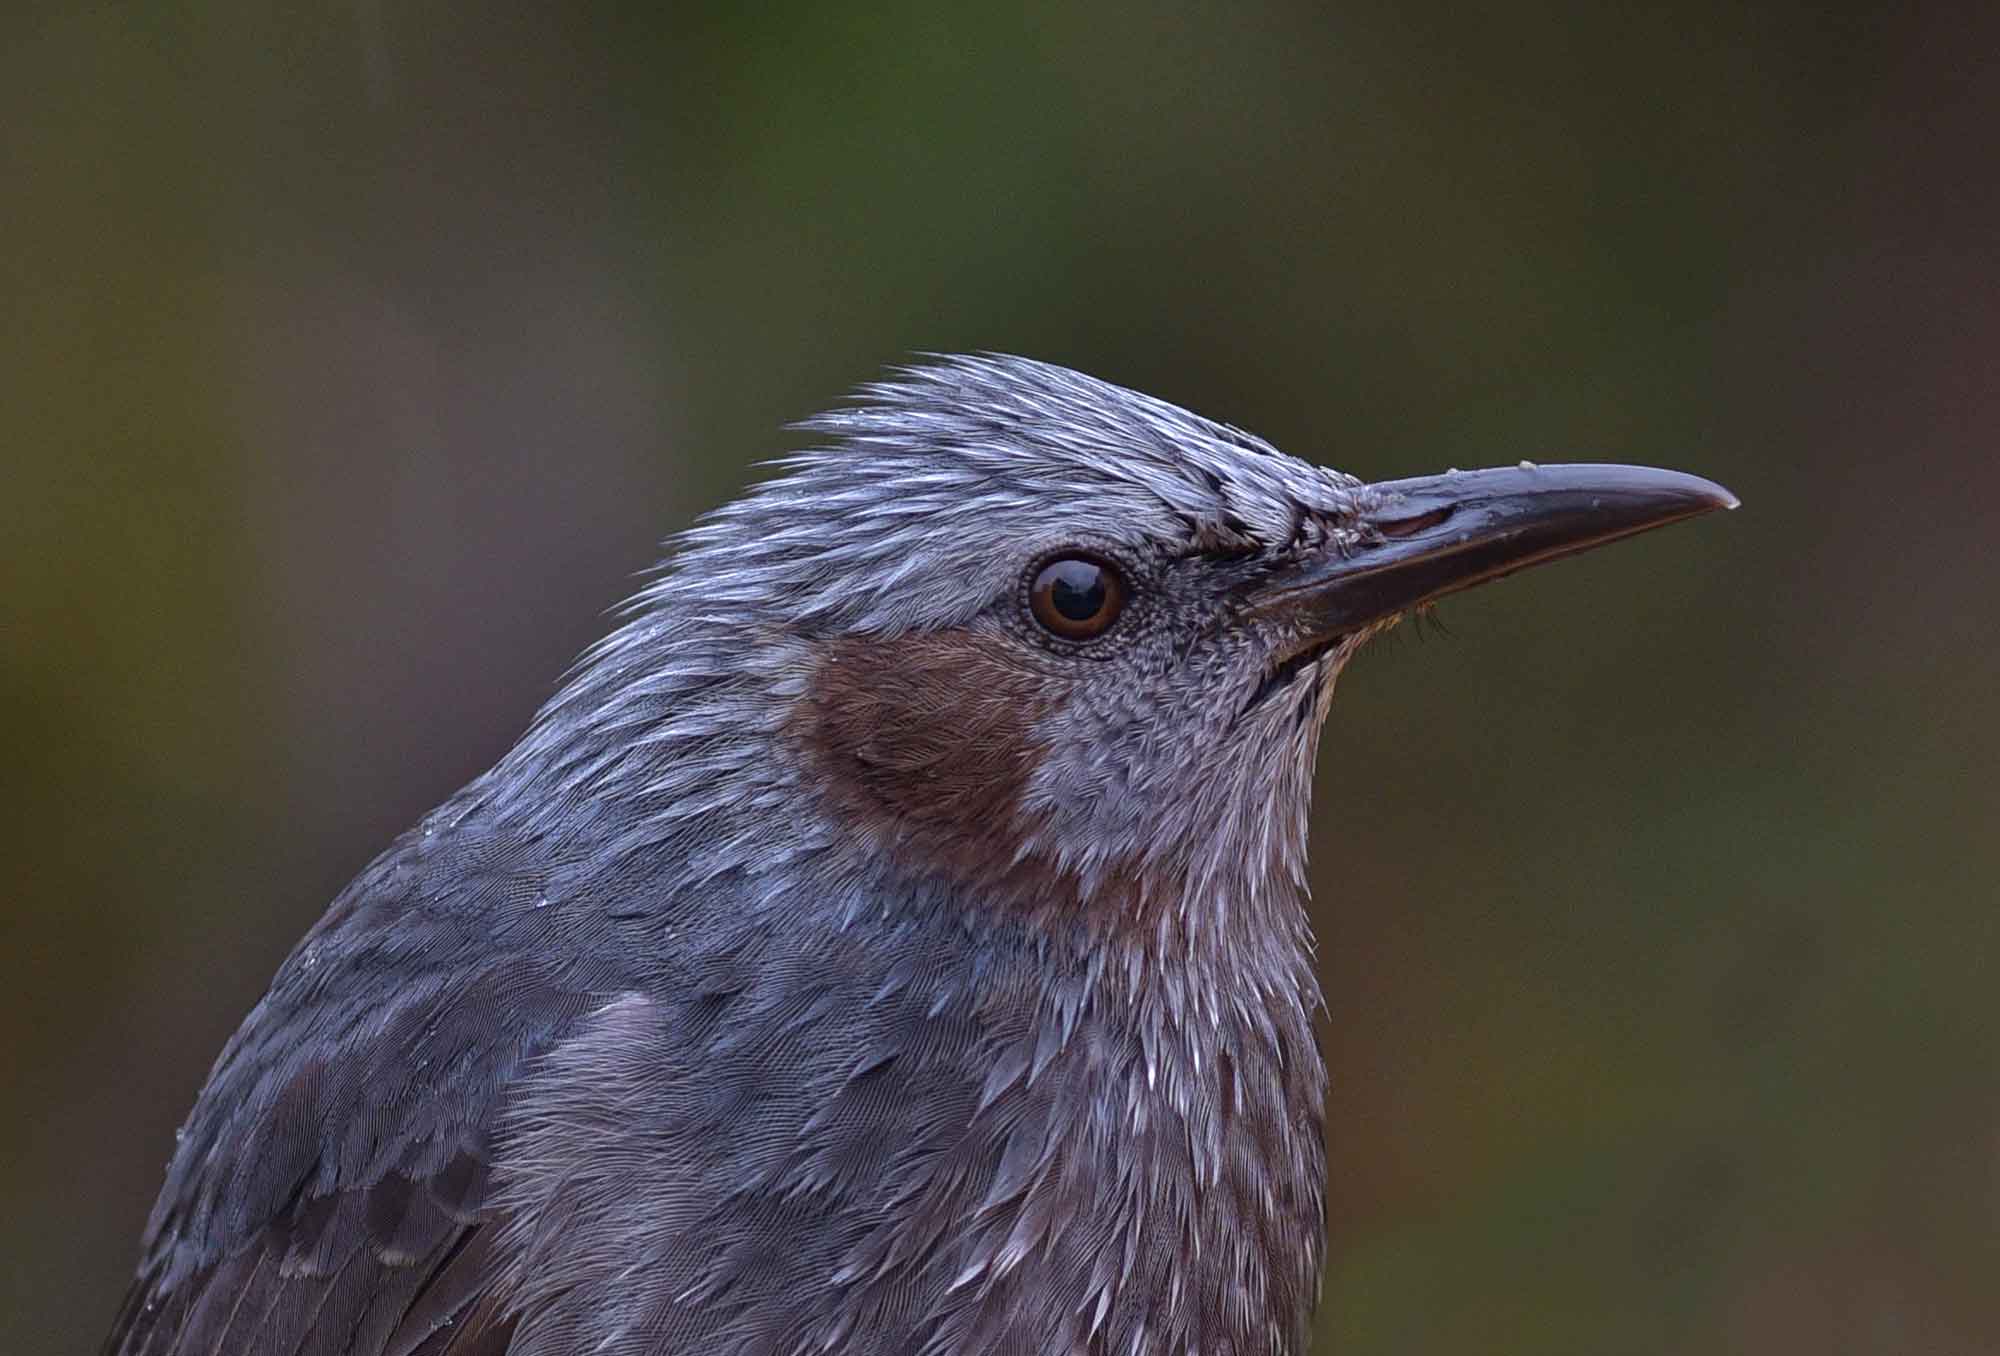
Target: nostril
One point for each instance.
(1409, 527)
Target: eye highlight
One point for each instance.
(1076, 597)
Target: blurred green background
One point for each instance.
(353, 357)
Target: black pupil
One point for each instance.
(1077, 591)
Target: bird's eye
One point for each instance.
(1076, 597)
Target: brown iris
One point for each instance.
(1077, 597)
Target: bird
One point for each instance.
(891, 938)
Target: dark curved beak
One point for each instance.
(1435, 535)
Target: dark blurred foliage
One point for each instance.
(353, 357)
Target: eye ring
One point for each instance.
(1076, 596)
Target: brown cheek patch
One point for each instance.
(928, 737)
(926, 744)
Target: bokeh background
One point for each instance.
(353, 357)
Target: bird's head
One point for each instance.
(1046, 637)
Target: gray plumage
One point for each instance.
(836, 964)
